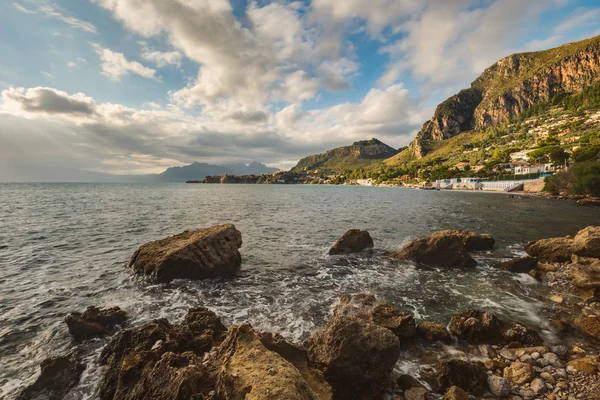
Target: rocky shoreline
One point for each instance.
(359, 352)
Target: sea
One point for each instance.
(65, 246)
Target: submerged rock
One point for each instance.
(138, 355)
(58, 376)
(367, 307)
(469, 376)
(94, 322)
(433, 332)
(353, 241)
(200, 254)
(519, 265)
(247, 370)
(356, 356)
(552, 250)
(448, 249)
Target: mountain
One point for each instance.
(511, 87)
(193, 171)
(254, 168)
(362, 154)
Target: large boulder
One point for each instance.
(58, 376)
(518, 265)
(94, 322)
(353, 241)
(587, 242)
(447, 249)
(200, 254)
(521, 334)
(469, 376)
(248, 370)
(589, 325)
(585, 272)
(356, 356)
(137, 354)
(433, 332)
(551, 250)
(366, 306)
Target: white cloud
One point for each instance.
(162, 59)
(581, 17)
(50, 10)
(115, 65)
(76, 62)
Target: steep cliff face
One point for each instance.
(511, 86)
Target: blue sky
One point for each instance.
(133, 86)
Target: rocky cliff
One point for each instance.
(512, 85)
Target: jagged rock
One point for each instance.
(456, 393)
(200, 254)
(469, 376)
(498, 385)
(247, 370)
(135, 355)
(299, 358)
(519, 373)
(587, 242)
(477, 327)
(589, 325)
(433, 332)
(366, 306)
(405, 382)
(522, 334)
(416, 393)
(551, 250)
(356, 356)
(519, 265)
(58, 376)
(447, 249)
(587, 365)
(586, 273)
(353, 241)
(94, 322)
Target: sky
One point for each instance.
(136, 86)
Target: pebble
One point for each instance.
(538, 386)
(509, 355)
(499, 386)
(535, 355)
(553, 359)
(548, 377)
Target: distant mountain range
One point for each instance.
(194, 171)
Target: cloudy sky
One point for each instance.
(135, 86)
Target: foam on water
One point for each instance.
(64, 247)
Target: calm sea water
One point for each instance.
(64, 247)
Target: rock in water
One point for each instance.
(353, 241)
(247, 370)
(138, 356)
(587, 242)
(200, 254)
(519, 265)
(447, 249)
(367, 307)
(476, 327)
(356, 356)
(433, 332)
(471, 377)
(59, 375)
(94, 322)
(551, 250)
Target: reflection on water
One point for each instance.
(64, 246)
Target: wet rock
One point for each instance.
(456, 393)
(587, 365)
(447, 249)
(519, 265)
(522, 334)
(353, 241)
(405, 382)
(356, 356)
(298, 357)
(552, 250)
(587, 242)
(366, 307)
(498, 385)
(135, 355)
(94, 322)
(471, 377)
(433, 332)
(589, 325)
(247, 370)
(487, 351)
(519, 373)
(416, 393)
(200, 254)
(58, 376)
(476, 327)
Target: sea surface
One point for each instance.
(64, 247)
